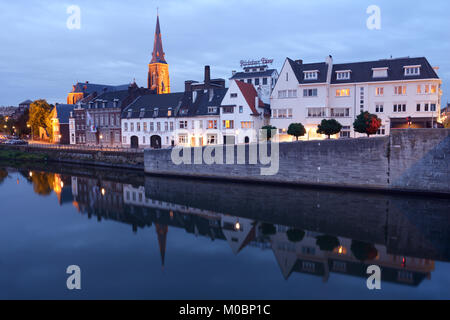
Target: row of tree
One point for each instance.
(365, 123)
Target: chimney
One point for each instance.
(299, 61)
(329, 60)
(207, 76)
(188, 86)
(256, 102)
(233, 72)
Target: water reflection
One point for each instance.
(312, 232)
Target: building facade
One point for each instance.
(261, 77)
(393, 89)
(60, 119)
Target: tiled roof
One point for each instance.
(247, 75)
(63, 112)
(204, 99)
(150, 102)
(250, 94)
(90, 88)
(362, 71)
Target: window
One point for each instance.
(433, 89)
(249, 81)
(166, 126)
(171, 126)
(257, 82)
(145, 126)
(282, 113)
(379, 91)
(212, 109)
(183, 124)
(200, 124)
(228, 124)
(361, 101)
(343, 75)
(152, 127)
(340, 112)
(125, 126)
(426, 106)
(132, 127)
(158, 126)
(433, 107)
(182, 139)
(169, 112)
(399, 107)
(419, 89)
(311, 75)
(418, 107)
(342, 92)
(400, 90)
(212, 124)
(241, 109)
(412, 70)
(228, 110)
(211, 139)
(233, 95)
(138, 127)
(246, 124)
(345, 132)
(264, 81)
(287, 76)
(379, 108)
(310, 92)
(155, 112)
(382, 131)
(282, 94)
(380, 72)
(316, 112)
(292, 93)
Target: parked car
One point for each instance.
(15, 142)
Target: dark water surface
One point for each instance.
(155, 238)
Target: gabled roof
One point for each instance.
(89, 88)
(204, 99)
(299, 71)
(247, 75)
(250, 95)
(63, 112)
(362, 71)
(150, 102)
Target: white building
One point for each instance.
(261, 77)
(394, 89)
(242, 114)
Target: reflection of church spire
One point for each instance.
(161, 231)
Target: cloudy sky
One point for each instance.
(41, 58)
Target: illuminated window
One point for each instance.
(211, 139)
(419, 89)
(379, 91)
(246, 124)
(212, 124)
(228, 124)
(182, 139)
(342, 92)
(433, 89)
(169, 112)
(400, 90)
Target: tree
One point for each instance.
(367, 123)
(21, 124)
(295, 235)
(447, 123)
(268, 229)
(329, 127)
(40, 117)
(296, 130)
(363, 251)
(327, 243)
(269, 129)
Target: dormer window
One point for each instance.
(380, 72)
(212, 109)
(116, 103)
(412, 70)
(311, 75)
(141, 114)
(169, 112)
(155, 112)
(343, 75)
(104, 104)
(130, 113)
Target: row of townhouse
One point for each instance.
(393, 89)
(204, 114)
(209, 113)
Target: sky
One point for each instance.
(40, 57)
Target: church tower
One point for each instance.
(158, 69)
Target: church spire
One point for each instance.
(158, 52)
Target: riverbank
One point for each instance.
(100, 158)
(409, 161)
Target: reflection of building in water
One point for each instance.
(307, 257)
(295, 251)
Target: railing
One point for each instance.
(83, 148)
